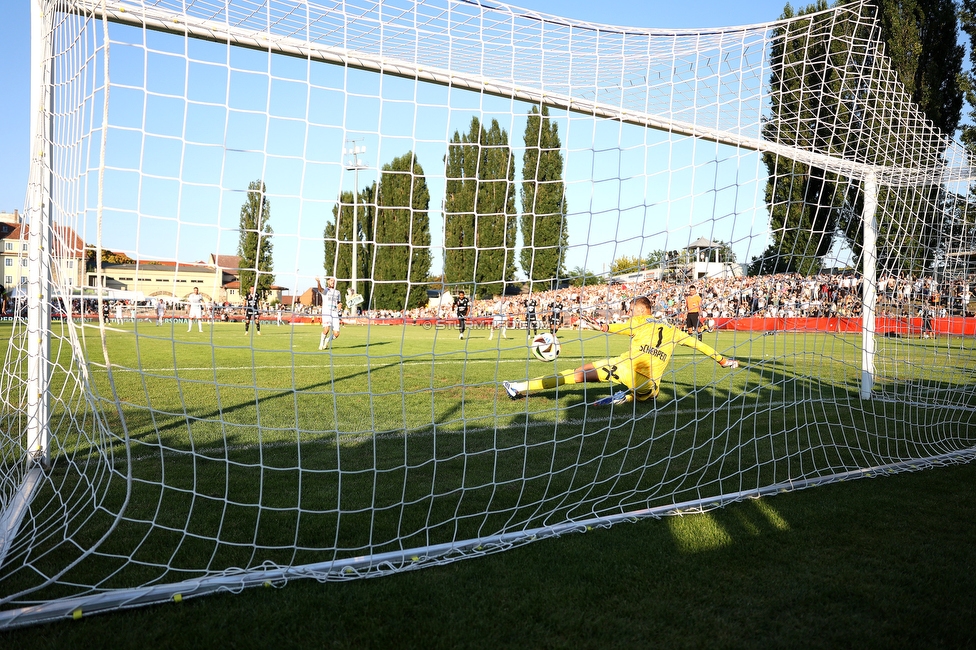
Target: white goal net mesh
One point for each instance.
(358, 165)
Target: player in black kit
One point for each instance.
(252, 312)
(531, 315)
(461, 307)
(555, 315)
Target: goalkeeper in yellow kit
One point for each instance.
(653, 341)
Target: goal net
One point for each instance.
(238, 347)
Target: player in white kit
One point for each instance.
(195, 300)
(331, 311)
(499, 318)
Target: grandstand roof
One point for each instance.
(701, 242)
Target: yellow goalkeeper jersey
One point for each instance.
(653, 342)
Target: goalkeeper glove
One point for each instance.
(591, 324)
(728, 363)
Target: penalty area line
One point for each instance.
(319, 366)
(110, 329)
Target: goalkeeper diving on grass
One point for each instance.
(653, 341)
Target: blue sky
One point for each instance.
(634, 228)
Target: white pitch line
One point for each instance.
(377, 365)
(111, 329)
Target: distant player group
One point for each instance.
(195, 304)
(331, 311)
(639, 370)
(502, 312)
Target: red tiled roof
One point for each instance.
(229, 262)
(65, 241)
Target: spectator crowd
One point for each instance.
(771, 296)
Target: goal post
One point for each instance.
(870, 284)
(23, 468)
(39, 245)
(164, 434)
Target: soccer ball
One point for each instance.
(545, 347)
(710, 325)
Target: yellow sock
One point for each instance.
(544, 383)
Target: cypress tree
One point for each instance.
(461, 187)
(338, 241)
(479, 207)
(495, 210)
(254, 241)
(545, 233)
(401, 260)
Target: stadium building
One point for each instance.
(217, 279)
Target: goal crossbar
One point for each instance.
(164, 20)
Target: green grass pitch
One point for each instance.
(234, 450)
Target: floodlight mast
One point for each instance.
(354, 165)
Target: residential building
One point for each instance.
(67, 247)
